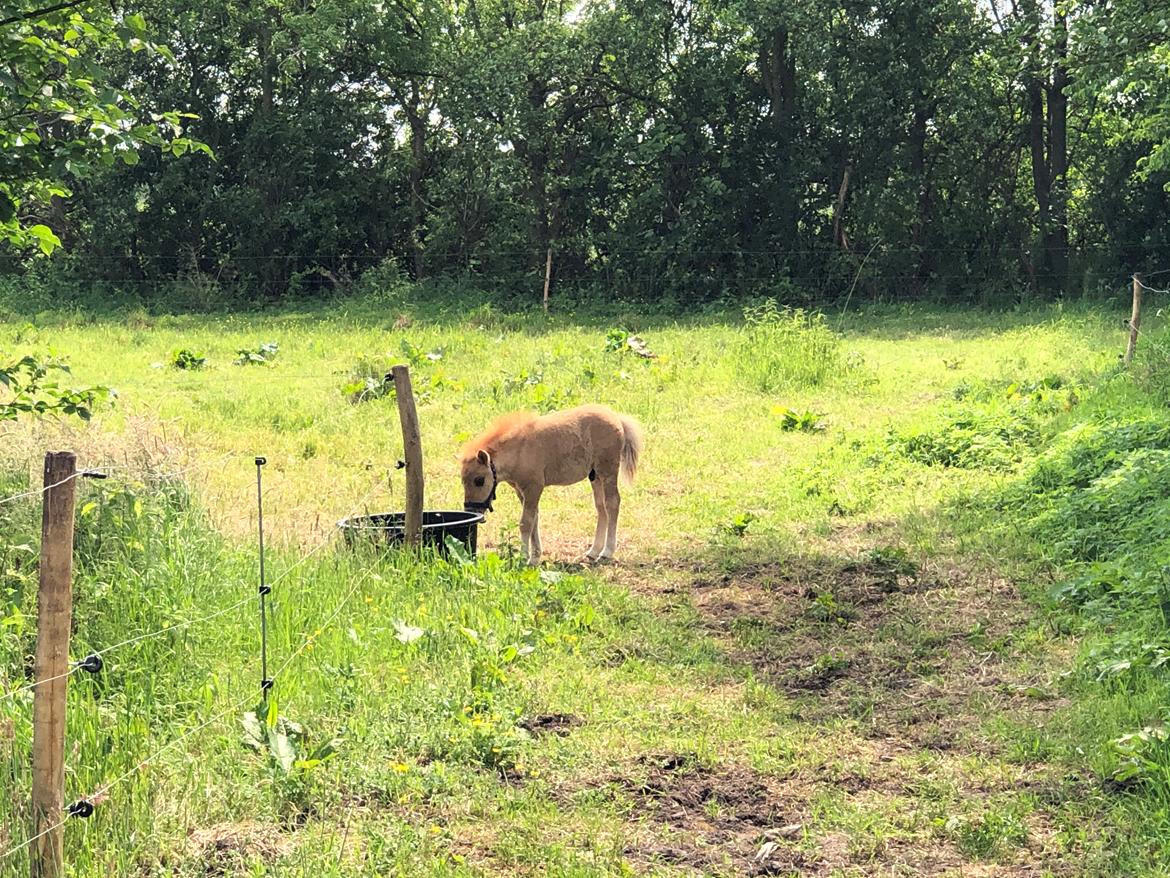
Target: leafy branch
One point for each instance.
(30, 386)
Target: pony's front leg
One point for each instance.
(529, 527)
(599, 535)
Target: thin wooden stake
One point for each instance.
(54, 619)
(1135, 320)
(412, 451)
(547, 277)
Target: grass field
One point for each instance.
(820, 650)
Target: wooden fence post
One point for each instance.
(547, 276)
(1135, 319)
(54, 618)
(412, 451)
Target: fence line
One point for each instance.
(107, 468)
(329, 534)
(38, 491)
(98, 654)
(1150, 289)
(84, 807)
(176, 627)
(779, 250)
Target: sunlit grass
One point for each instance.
(434, 773)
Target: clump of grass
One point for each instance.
(368, 380)
(989, 834)
(739, 524)
(620, 341)
(990, 425)
(784, 348)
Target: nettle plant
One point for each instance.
(30, 385)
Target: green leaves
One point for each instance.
(46, 240)
(282, 741)
(187, 360)
(262, 356)
(31, 388)
(62, 114)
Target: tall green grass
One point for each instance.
(786, 348)
(415, 671)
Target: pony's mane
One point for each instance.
(499, 429)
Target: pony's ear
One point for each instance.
(483, 457)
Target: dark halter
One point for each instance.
(484, 505)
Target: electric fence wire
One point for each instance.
(102, 792)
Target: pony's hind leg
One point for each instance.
(613, 503)
(599, 535)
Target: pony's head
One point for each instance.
(480, 478)
(479, 482)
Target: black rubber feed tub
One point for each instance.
(390, 527)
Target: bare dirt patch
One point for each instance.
(551, 724)
(913, 653)
(725, 820)
(892, 667)
(230, 848)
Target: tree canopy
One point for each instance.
(674, 150)
(62, 114)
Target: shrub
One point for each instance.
(187, 359)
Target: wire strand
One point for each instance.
(15, 850)
(36, 491)
(28, 686)
(175, 627)
(1147, 288)
(329, 536)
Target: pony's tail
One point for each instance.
(631, 447)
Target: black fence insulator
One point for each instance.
(93, 474)
(81, 808)
(400, 465)
(92, 663)
(265, 685)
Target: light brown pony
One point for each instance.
(530, 453)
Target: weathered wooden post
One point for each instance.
(412, 452)
(54, 618)
(547, 276)
(1135, 319)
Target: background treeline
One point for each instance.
(670, 150)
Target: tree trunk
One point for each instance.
(1057, 242)
(1041, 178)
(839, 236)
(418, 172)
(922, 257)
(778, 73)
